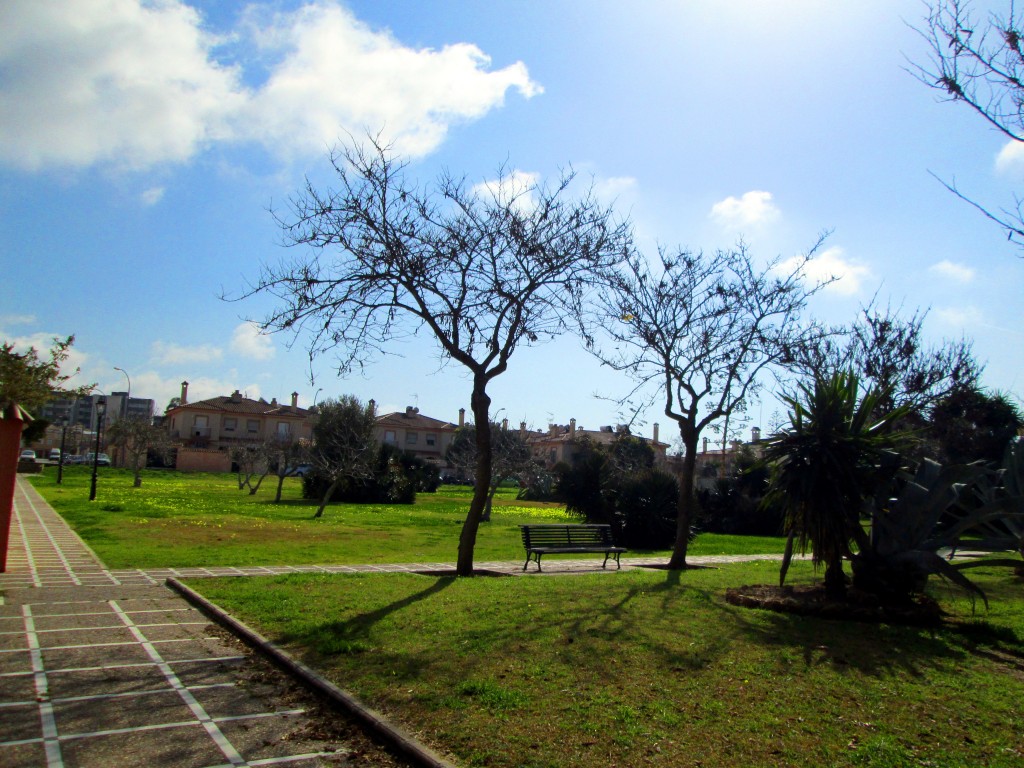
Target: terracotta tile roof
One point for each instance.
(245, 405)
(408, 420)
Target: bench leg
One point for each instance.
(532, 556)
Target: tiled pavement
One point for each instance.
(101, 668)
(111, 668)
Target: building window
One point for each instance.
(431, 439)
(283, 429)
(230, 425)
(252, 426)
(389, 436)
(411, 438)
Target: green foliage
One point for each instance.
(30, 382)
(973, 425)
(835, 455)
(394, 478)
(618, 485)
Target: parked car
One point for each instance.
(299, 470)
(101, 459)
(27, 455)
(55, 454)
(74, 459)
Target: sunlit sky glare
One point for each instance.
(142, 145)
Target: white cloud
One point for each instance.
(1010, 160)
(17, 319)
(959, 317)
(516, 187)
(108, 81)
(131, 84)
(152, 196)
(753, 209)
(249, 342)
(953, 271)
(615, 189)
(848, 277)
(169, 353)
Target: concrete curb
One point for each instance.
(376, 723)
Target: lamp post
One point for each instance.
(124, 414)
(101, 411)
(63, 441)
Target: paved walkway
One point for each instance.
(106, 667)
(111, 668)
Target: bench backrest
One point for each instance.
(549, 535)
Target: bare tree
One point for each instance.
(702, 328)
(980, 63)
(138, 438)
(285, 453)
(890, 355)
(482, 269)
(252, 463)
(510, 457)
(344, 447)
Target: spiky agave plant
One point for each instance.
(835, 454)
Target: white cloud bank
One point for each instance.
(753, 209)
(168, 353)
(129, 84)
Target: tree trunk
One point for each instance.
(280, 484)
(327, 497)
(685, 505)
(480, 402)
(835, 580)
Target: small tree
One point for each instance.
(702, 328)
(482, 269)
(835, 455)
(285, 453)
(343, 448)
(979, 63)
(30, 382)
(252, 464)
(511, 457)
(137, 437)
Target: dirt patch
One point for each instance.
(858, 606)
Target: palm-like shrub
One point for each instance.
(826, 466)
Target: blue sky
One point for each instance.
(142, 144)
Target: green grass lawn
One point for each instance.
(194, 519)
(654, 668)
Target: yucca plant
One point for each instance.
(827, 465)
(996, 506)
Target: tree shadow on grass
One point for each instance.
(351, 635)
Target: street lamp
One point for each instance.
(101, 411)
(63, 441)
(127, 403)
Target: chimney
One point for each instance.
(755, 435)
(236, 396)
(373, 407)
(184, 392)
(409, 413)
(572, 427)
(655, 431)
(504, 425)
(462, 417)
(295, 399)
(705, 445)
(273, 402)
(522, 429)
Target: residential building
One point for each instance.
(205, 431)
(423, 436)
(561, 442)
